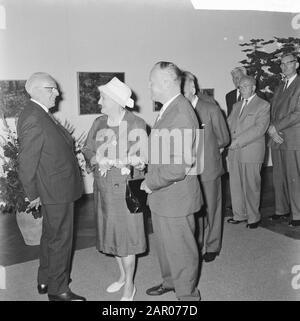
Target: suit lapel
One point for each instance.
(247, 108)
(166, 112)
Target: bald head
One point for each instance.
(36, 80)
(42, 88)
(165, 81)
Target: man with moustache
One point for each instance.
(174, 192)
(49, 172)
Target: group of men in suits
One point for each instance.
(50, 175)
(248, 124)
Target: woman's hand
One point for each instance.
(136, 162)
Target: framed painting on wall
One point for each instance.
(209, 92)
(13, 97)
(88, 93)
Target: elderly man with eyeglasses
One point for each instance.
(284, 132)
(49, 172)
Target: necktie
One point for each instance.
(243, 106)
(285, 85)
(53, 118)
(239, 97)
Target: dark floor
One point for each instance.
(13, 250)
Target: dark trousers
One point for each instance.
(178, 254)
(211, 224)
(56, 247)
(286, 182)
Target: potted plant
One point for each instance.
(263, 60)
(12, 194)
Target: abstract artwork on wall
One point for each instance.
(88, 93)
(12, 97)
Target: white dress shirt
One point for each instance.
(289, 81)
(44, 107)
(244, 103)
(165, 105)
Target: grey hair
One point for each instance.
(188, 76)
(249, 79)
(34, 80)
(241, 70)
(172, 70)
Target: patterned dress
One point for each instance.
(119, 232)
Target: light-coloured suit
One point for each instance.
(176, 197)
(285, 116)
(244, 162)
(216, 136)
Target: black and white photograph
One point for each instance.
(149, 152)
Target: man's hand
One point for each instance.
(275, 135)
(34, 204)
(145, 188)
(234, 144)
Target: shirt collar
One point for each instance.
(44, 107)
(165, 105)
(250, 98)
(195, 101)
(290, 80)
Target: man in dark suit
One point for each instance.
(285, 142)
(234, 95)
(50, 175)
(216, 136)
(172, 185)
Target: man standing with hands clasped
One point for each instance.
(174, 195)
(284, 131)
(248, 124)
(50, 175)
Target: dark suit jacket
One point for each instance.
(216, 136)
(48, 167)
(285, 115)
(231, 99)
(175, 193)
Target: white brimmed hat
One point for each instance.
(118, 91)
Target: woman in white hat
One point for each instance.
(111, 151)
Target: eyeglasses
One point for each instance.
(287, 63)
(50, 88)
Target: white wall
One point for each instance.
(62, 37)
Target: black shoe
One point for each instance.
(209, 256)
(42, 288)
(277, 217)
(158, 290)
(253, 225)
(233, 221)
(294, 223)
(67, 296)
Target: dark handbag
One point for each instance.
(136, 199)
